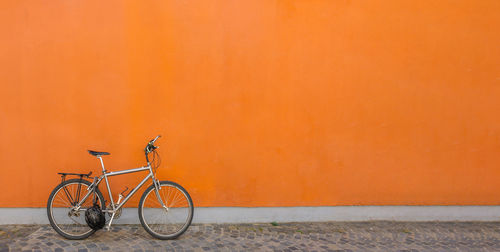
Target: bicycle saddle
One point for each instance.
(97, 153)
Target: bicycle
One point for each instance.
(164, 214)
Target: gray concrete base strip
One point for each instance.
(291, 214)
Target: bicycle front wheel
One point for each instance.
(167, 222)
(63, 217)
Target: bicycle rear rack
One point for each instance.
(81, 175)
(68, 195)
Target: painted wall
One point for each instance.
(260, 103)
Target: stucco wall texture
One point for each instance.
(260, 103)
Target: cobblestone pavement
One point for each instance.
(325, 236)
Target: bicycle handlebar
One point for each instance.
(150, 147)
(154, 140)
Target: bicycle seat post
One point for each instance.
(102, 164)
(107, 185)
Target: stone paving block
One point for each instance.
(325, 236)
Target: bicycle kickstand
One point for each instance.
(120, 197)
(108, 227)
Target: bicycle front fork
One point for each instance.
(157, 192)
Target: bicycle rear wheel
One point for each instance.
(167, 223)
(65, 221)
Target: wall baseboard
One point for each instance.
(291, 214)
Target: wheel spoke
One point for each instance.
(69, 223)
(165, 223)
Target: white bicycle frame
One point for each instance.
(115, 208)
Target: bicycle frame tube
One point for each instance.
(129, 195)
(109, 174)
(134, 191)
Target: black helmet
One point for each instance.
(95, 217)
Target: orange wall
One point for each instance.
(261, 103)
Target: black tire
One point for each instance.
(186, 223)
(50, 212)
